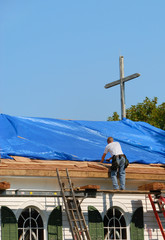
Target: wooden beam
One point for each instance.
(79, 174)
(90, 187)
(130, 77)
(145, 177)
(122, 87)
(79, 170)
(126, 191)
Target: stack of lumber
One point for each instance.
(4, 185)
(20, 166)
(152, 186)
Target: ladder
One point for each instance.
(73, 210)
(158, 202)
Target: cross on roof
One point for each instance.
(122, 81)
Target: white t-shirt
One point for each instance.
(114, 148)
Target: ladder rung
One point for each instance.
(64, 177)
(80, 231)
(77, 220)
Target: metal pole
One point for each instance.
(122, 87)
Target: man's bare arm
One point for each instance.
(103, 157)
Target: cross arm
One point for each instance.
(130, 77)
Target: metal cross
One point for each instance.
(122, 81)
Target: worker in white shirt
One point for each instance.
(118, 162)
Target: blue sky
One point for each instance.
(56, 56)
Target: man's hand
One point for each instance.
(108, 159)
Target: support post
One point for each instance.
(122, 87)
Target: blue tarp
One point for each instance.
(55, 139)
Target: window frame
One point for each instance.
(30, 219)
(122, 227)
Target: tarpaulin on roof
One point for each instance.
(54, 139)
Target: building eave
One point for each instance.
(20, 166)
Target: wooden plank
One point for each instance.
(127, 191)
(122, 87)
(4, 185)
(100, 167)
(76, 174)
(152, 186)
(146, 170)
(21, 159)
(49, 173)
(145, 176)
(90, 187)
(130, 77)
(78, 170)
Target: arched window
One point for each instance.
(115, 225)
(30, 225)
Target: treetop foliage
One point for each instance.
(147, 111)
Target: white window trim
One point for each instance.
(124, 210)
(39, 207)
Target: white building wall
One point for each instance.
(127, 203)
(152, 230)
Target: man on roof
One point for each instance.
(118, 162)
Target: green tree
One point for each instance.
(115, 117)
(147, 111)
